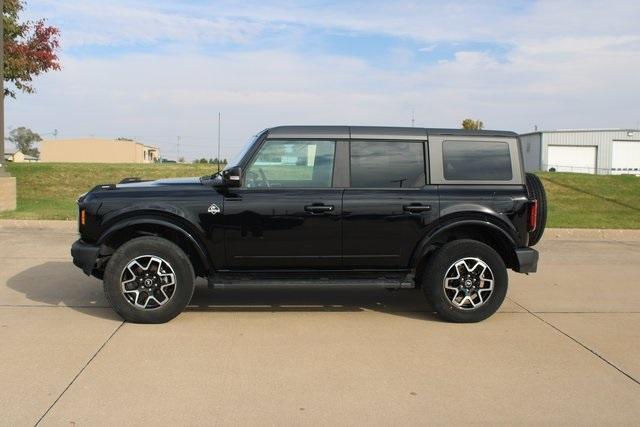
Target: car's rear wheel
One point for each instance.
(149, 280)
(536, 191)
(465, 281)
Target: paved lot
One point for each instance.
(563, 350)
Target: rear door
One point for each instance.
(388, 205)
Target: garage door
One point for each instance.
(571, 158)
(626, 157)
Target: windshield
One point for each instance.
(238, 157)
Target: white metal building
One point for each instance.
(601, 151)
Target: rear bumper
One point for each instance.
(84, 256)
(527, 260)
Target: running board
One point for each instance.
(220, 281)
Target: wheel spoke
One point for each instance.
(447, 285)
(468, 283)
(148, 282)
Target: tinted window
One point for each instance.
(380, 164)
(292, 164)
(476, 160)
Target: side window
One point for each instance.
(476, 160)
(384, 164)
(285, 163)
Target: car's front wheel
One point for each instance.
(465, 281)
(149, 280)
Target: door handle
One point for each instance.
(318, 208)
(416, 208)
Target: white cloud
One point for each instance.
(568, 64)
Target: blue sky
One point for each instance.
(155, 70)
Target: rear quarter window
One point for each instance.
(476, 161)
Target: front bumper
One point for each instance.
(84, 256)
(527, 260)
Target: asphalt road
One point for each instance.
(564, 349)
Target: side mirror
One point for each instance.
(232, 176)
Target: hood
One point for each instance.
(160, 182)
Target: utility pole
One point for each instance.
(7, 182)
(3, 171)
(413, 117)
(218, 142)
(178, 150)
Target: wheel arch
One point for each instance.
(125, 229)
(479, 229)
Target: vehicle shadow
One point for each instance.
(60, 283)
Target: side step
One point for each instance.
(220, 281)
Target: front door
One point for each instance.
(388, 206)
(286, 214)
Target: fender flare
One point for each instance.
(422, 247)
(143, 220)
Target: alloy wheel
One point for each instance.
(148, 282)
(468, 283)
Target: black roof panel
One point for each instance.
(376, 132)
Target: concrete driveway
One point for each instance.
(564, 349)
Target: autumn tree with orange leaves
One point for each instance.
(29, 49)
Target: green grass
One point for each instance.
(49, 191)
(592, 201)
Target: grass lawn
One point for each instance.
(592, 201)
(49, 191)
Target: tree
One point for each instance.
(215, 161)
(472, 124)
(29, 48)
(24, 139)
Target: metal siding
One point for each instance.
(600, 139)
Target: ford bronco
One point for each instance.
(445, 210)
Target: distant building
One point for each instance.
(601, 151)
(97, 151)
(19, 157)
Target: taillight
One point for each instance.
(533, 214)
(83, 217)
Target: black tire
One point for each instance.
(536, 191)
(173, 256)
(443, 260)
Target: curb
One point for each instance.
(584, 234)
(591, 234)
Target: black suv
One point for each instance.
(446, 210)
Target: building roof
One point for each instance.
(376, 132)
(92, 140)
(581, 130)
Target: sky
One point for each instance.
(156, 70)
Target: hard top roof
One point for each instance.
(376, 132)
